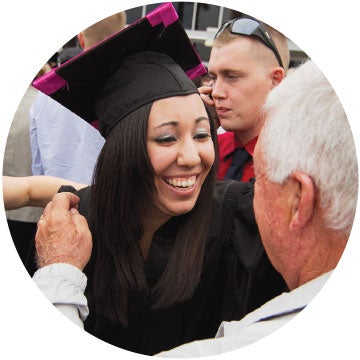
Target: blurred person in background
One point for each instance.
(62, 144)
(17, 162)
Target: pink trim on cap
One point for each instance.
(95, 124)
(165, 14)
(49, 83)
(196, 71)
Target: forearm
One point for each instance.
(43, 188)
(32, 190)
(15, 192)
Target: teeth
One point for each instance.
(183, 183)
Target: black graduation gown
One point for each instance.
(237, 277)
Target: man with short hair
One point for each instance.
(247, 60)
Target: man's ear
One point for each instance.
(277, 76)
(81, 40)
(303, 205)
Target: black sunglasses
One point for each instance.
(251, 27)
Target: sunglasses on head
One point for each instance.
(251, 27)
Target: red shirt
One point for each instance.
(227, 144)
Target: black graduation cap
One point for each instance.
(144, 62)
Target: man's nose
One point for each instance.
(218, 90)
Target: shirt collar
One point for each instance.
(249, 146)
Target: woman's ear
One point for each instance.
(303, 201)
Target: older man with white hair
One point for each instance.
(306, 178)
(304, 201)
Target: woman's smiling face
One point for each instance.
(181, 152)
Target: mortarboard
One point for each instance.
(144, 62)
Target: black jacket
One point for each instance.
(237, 278)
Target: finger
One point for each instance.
(207, 100)
(205, 90)
(78, 220)
(47, 211)
(58, 209)
(41, 220)
(65, 200)
(74, 211)
(41, 234)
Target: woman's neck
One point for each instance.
(151, 225)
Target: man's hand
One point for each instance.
(205, 93)
(63, 235)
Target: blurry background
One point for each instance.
(200, 21)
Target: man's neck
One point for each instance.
(323, 259)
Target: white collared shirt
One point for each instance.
(257, 324)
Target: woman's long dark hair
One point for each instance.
(123, 185)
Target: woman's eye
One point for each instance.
(202, 135)
(165, 139)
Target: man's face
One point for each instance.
(271, 212)
(241, 82)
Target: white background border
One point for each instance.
(32, 31)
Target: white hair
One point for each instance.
(307, 130)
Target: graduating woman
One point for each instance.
(174, 253)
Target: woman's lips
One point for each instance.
(181, 184)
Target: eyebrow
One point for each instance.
(201, 118)
(176, 123)
(227, 71)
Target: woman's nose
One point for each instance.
(188, 154)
